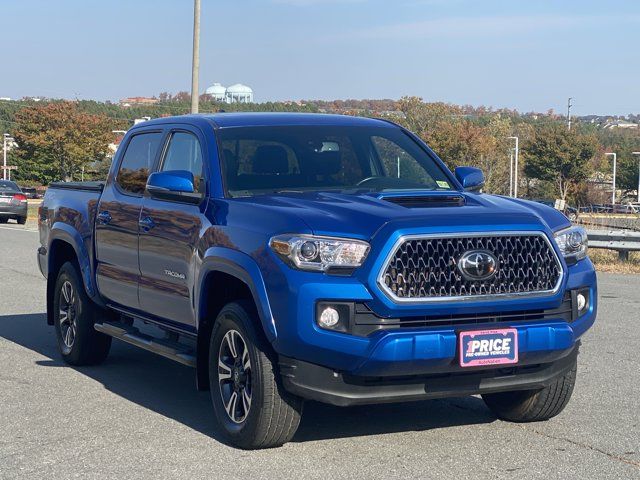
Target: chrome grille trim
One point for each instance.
(511, 295)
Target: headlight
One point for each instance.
(308, 252)
(572, 242)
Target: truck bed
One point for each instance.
(69, 211)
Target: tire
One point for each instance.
(74, 317)
(273, 414)
(3, 219)
(534, 405)
(22, 220)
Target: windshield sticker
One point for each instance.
(442, 183)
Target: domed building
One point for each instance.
(217, 92)
(239, 93)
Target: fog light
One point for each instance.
(329, 317)
(582, 302)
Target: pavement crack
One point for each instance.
(612, 456)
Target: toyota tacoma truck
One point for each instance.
(293, 257)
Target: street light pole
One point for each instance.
(515, 173)
(5, 138)
(4, 149)
(613, 193)
(638, 153)
(511, 172)
(195, 64)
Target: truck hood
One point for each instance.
(362, 215)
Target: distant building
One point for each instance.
(620, 124)
(127, 102)
(217, 92)
(237, 93)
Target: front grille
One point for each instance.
(426, 268)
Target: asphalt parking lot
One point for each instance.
(139, 415)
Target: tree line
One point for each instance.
(63, 140)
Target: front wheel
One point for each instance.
(74, 317)
(534, 405)
(22, 220)
(249, 401)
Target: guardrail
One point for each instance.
(598, 221)
(622, 241)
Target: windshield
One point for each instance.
(261, 160)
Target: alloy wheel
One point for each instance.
(234, 376)
(67, 314)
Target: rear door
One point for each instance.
(168, 241)
(117, 220)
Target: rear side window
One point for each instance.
(137, 162)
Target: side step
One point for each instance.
(167, 348)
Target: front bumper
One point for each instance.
(418, 351)
(315, 382)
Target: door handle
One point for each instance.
(146, 223)
(104, 217)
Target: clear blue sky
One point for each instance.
(524, 54)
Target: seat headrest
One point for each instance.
(270, 159)
(327, 163)
(230, 161)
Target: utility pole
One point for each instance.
(569, 105)
(195, 64)
(638, 153)
(613, 194)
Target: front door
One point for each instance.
(169, 236)
(117, 221)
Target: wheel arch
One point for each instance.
(239, 278)
(66, 245)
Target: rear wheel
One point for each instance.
(249, 401)
(22, 220)
(534, 405)
(3, 219)
(74, 317)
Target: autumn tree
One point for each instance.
(56, 140)
(461, 140)
(559, 156)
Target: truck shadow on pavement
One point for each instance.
(169, 389)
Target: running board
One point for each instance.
(167, 348)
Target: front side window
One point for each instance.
(184, 153)
(263, 160)
(137, 162)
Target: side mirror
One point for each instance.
(173, 185)
(471, 178)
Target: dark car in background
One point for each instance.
(30, 192)
(13, 202)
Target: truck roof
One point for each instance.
(259, 119)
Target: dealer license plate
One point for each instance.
(488, 347)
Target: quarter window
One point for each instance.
(137, 162)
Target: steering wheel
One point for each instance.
(367, 180)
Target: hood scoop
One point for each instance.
(426, 201)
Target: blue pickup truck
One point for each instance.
(295, 256)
